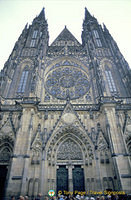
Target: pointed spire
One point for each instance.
(104, 26)
(105, 29)
(26, 26)
(40, 17)
(87, 14)
(42, 14)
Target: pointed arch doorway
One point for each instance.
(6, 148)
(70, 174)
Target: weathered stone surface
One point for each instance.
(65, 108)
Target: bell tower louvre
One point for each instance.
(65, 113)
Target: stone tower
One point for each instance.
(65, 113)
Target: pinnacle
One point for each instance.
(42, 14)
(87, 14)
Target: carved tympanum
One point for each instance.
(69, 150)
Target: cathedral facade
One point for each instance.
(65, 113)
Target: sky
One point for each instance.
(15, 14)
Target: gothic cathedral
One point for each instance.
(65, 113)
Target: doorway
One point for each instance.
(3, 174)
(62, 179)
(78, 178)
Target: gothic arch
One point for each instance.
(17, 77)
(128, 143)
(58, 61)
(106, 64)
(36, 187)
(6, 149)
(24, 74)
(69, 149)
(30, 187)
(33, 187)
(106, 61)
(76, 136)
(107, 69)
(127, 134)
(25, 62)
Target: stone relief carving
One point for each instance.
(5, 155)
(7, 129)
(127, 134)
(71, 131)
(36, 148)
(6, 148)
(69, 150)
(37, 144)
(69, 118)
(102, 145)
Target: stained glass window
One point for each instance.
(35, 34)
(23, 80)
(67, 82)
(98, 42)
(110, 81)
(97, 37)
(95, 32)
(32, 44)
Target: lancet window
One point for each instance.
(23, 80)
(97, 37)
(32, 44)
(35, 34)
(110, 81)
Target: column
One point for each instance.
(42, 173)
(18, 173)
(27, 156)
(120, 160)
(70, 178)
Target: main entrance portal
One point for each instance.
(70, 174)
(70, 178)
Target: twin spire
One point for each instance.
(65, 34)
(42, 14)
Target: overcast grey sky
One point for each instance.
(14, 14)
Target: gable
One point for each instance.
(65, 38)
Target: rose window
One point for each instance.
(66, 82)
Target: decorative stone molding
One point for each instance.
(69, 150)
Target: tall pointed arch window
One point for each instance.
(23, 80)
(32, 43)
(97, 38)
(110, 80)
(35, 33)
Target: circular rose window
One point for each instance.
(67, 82)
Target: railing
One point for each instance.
(15, 104)
(113, 99)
